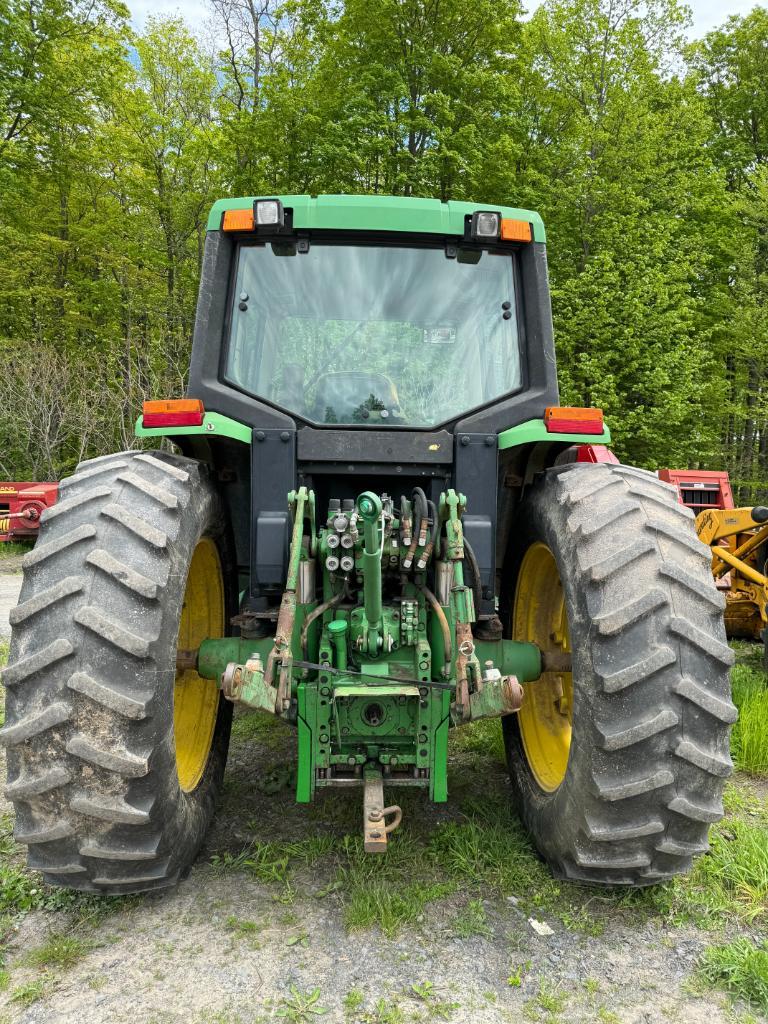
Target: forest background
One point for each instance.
(645, 152)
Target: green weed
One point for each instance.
(5, 646)
(29, 993)
(235, 924)
(472, 920)
(550, 998)
(300, 1006)
(741, 968)
(515, 979)
(607, 1016)
(60, 951)
(353, 1000)
(384, 1013)
(245, 930)
(437, 1007)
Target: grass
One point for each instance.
(741, 968)
(472, 920)
(749, 739)
(549, 997)
(483, 737)
(730, 884)
(13, 548)
(61, 951)
(353, 1001)
(436, 1007)
(384, 1012)
(487, 853)
(266, 729)
(28, 993)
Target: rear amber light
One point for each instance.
(174, 412)
(515, 231)
(568, 420)
(238, 220)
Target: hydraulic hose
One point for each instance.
(420, 510)
(320, 610)
(444, 627)
(429, 547)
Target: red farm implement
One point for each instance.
(21, 505)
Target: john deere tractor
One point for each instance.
(371, 518)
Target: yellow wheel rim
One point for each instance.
(547, 712)
(196, 700)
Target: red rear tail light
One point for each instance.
(174, 412)
(568, 420)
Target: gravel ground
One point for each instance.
(226, 948)
(10, 585)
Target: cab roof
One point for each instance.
(378, 213)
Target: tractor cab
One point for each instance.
(396, 332)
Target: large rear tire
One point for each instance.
(114, 760)
(618, 767)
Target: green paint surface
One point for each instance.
(378, 213)
(214, 425)
(536, 430)
(438, 783)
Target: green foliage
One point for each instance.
(300, 1007)
(741, 968)
(643, 155)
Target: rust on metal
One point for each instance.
(376, 828)
(556, 661)
(186, 659)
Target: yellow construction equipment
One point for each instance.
(738, 538)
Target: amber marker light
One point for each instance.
(173, 412)
(564, 419)
(238, 220)
(515, 230)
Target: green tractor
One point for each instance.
(380, 525)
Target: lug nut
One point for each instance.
(332, 540)
(346, 540)
(347, 563)
(331, 563)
